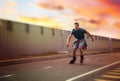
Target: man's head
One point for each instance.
(76, 25)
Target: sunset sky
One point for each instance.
(100, 17)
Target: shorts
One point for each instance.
(78, 43)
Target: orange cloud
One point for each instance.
(42, 5)
(49, 5)
(115, 3)
(117, 25)
(40, 21)
(10, 3)
(112, 7)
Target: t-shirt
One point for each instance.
(78, 34)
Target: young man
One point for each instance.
(79, 44)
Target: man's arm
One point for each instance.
(90, 35)
(68, 40)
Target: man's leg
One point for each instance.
(74, 57)
(81, 55)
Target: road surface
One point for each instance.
(61, 70)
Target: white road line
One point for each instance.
(87, 59)
(19, 59)
(49, 67)
(87, 73)
(5, 76)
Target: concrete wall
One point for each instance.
(20, 39)
(115, 43)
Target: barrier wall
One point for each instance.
(20, 39)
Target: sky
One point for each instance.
(99, 17)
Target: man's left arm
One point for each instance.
(90, 35)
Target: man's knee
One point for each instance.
(75, 50)
(80, 47)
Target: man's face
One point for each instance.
(76, 26)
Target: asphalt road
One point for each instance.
(61, 70)
(113, 74)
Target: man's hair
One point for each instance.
(76, 23)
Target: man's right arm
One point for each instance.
(68, 40)
(90, 35)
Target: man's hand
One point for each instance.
(68, 40)
(67, 44)
(90, 36)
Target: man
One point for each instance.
(79, 44)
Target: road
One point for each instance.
(112, 74)
(61, 70)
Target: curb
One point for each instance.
(35, 59)
(28, 60)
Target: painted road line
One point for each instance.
(113, 73)
(90, 72)
(19, 59)
(102, 80)
(111, 76)
(6, 76)
(49, 67)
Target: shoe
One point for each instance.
(73, 60)
(81, 59)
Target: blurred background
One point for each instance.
(100, 17)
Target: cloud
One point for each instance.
(9, 3)
(49, 5)
(44, 21)
(112, 7)
(114, 2)
(117, 24)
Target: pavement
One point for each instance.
(113, 74)
(95, 68)
(27, 59)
